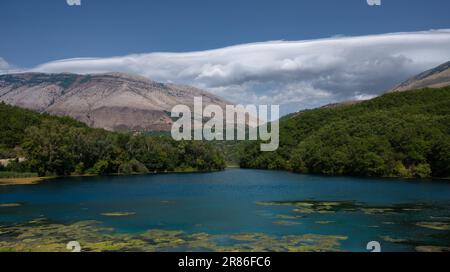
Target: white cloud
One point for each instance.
(8, 68)
(3, 64)
(73, 2)
(5, 67)
(359, 96)
(298, 74)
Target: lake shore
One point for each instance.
(36, 180)
(21, 181)
(271, 210)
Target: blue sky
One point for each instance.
(295, 53)
(36, 31)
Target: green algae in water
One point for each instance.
(288, 217)
(435, 249)
(118, 214)
(434, 225)
(247, 236)
(286, 223)
(394, 240)
(178, 202)
(378, 210)
(328, 207)
(324, 222)
(10, 205)
(312, 206)
(40, 235)
(44, 236)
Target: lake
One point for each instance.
(245, 210)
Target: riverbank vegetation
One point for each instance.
(396, 135)
(60, 146)
(11, 175)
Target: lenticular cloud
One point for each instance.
(294, 74)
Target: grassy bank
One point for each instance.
(11, 175)
(14, 178)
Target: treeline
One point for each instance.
(398, 134)
(62, 146)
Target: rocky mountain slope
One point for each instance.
(435, 78)
(111, 101)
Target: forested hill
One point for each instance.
(398, 134)
(62, 146)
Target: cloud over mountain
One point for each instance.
(295, 74)
(4, 66)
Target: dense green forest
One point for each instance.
(396, 135)
(62, 146)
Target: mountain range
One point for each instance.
(113, 101)
(435, 78)
(123, 102)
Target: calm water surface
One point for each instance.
(245, 201)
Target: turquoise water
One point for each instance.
(246, 201)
